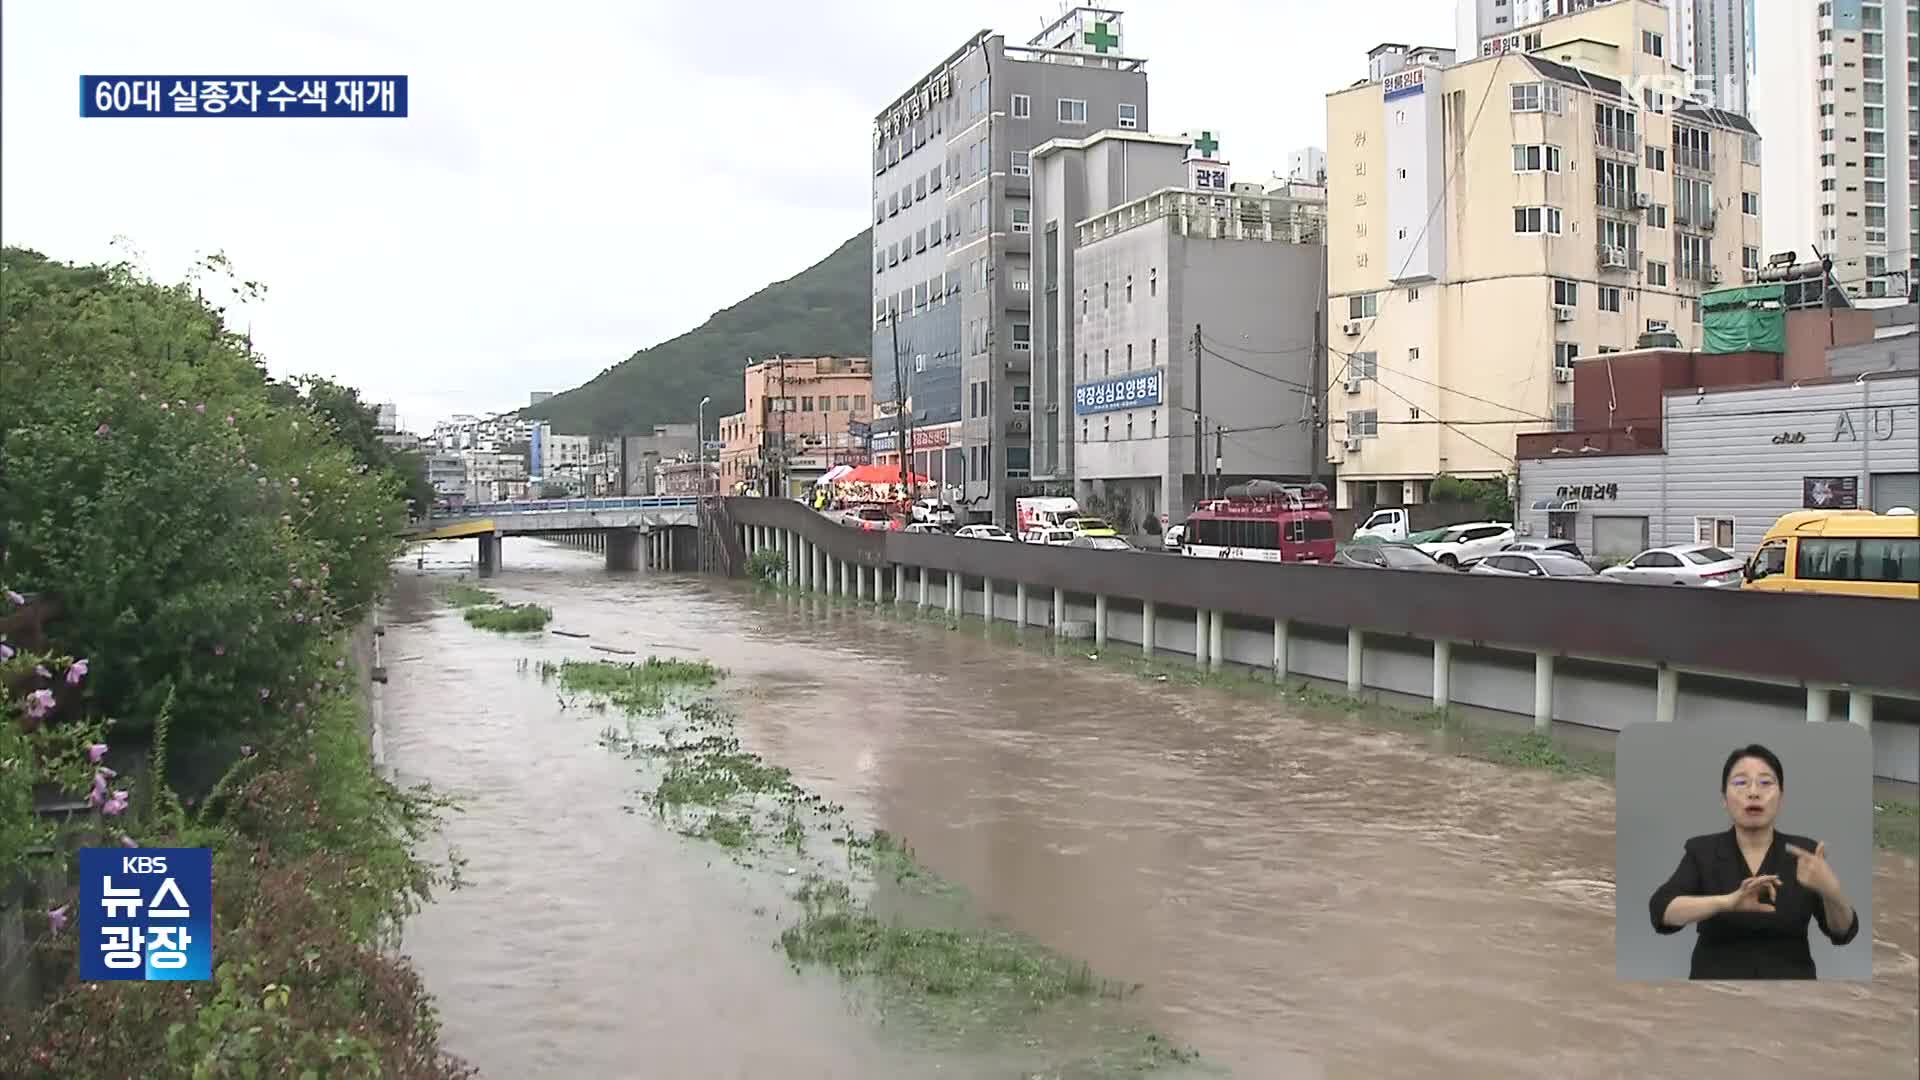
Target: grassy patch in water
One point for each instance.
(641, 688)
(509, 618)
(463, 595)
(730, 831)
(1896, 826)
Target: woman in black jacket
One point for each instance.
(1752, 889)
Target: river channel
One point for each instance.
(1296, 895)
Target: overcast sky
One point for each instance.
(572, 185)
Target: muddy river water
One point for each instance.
(1297, 896)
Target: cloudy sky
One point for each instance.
(569, 186)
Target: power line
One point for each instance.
(1291, 350)
(1444, 389)
(1302, 387)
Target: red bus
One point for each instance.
(1265, 521)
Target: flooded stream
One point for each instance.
(1295, 896)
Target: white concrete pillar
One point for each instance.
(923, 589)
(986, 598)
(1666, 694)
(1281, 631)
(1819, 703)
(1201, 638)
(1059, 611)
(823, 569)
(956, 594)
(846, 571)
(1148, 622)
(1356, 652)
(899, 583)
(1100, 621)
(859, 581)
(1442, 673)
(1020, 603)
(1216, 639)
(1542, 692)
(1860, 708)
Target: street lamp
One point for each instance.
(700, 439)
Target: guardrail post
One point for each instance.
(1666, 693)
(1280, 629)
(1100, 620)
(1216, 639)
(1356, 653)
(1020, 604)
(1860, 707)
(1542, 692)
(1148, 621)
(1059, 611)
(986, 596)
(1819, 703)
(1442, 673)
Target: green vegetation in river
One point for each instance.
(866, 907)
(509, 618)
(462, 595)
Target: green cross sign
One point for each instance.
(1101, 38)
(1206, 144)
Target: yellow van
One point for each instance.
(1841, 552)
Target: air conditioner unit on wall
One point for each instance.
(1563, 374)
(1714, 277)
(1562, 314)
(1353, 445)
(1353, 386)
(1351, 328)
(1615, 258)
(1643, 200)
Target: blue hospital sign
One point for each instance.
(146, 913)
(1137, 391)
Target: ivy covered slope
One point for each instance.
(823, 310)
(185, 547)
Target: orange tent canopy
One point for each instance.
(879, 474)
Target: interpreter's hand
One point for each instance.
(1811, 869)
(1754, 894)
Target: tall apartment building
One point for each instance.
(952, 229)
(1840, 110)
(1492, 220)
(1711, 40)
(1126, 275)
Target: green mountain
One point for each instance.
(820, 311)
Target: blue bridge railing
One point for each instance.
(568, 506)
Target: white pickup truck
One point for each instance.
(1387, 523)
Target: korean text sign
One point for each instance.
(146, 913)
(243, 95)
(1126, 392)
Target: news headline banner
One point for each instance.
(146, 914)
(365, 96)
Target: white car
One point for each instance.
(1460, 546)
(983, 532)
(935, 512)
(1055, 537)
(1175, 536)
(1533, 564)
(1683, 564)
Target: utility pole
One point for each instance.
(900, 404)
(780, 407)
(1219, 454)
(1199, 428)
(1316, 379)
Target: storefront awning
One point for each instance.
(1565, 506)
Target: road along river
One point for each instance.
(1286, 892)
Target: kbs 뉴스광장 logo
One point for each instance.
(146, 914)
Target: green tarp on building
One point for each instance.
(1747, 318)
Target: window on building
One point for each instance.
(1750, 203)
(1621, 236)
(1022, 337)
(1022, 399)
(806, 404)
(1153, 281)
(1563, 354)
(1364, 365)
(1750, 258)
(1656, 273)
(1019, 279)
(1106, 294)
(1652, 44)
(1022, 163)
(1695, 254)
(1073, 111)
(1526, 97)
(1536, 157)
(1536, 219)
(1022, 106)
(1566, 293)
(1413, 352)
(1021, 217)
(1129, 288)
(1129, 117)
(1106, 362)
(1609, 298)
(1363, 424)
(1363, 306)
(1563, 416)
(1657, 158)
(1153, 352)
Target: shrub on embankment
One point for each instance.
(208, 536)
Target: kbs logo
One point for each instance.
(146, 916)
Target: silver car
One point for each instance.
(1533, 564)
(1700, 565)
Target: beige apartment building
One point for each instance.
(1489, 221)
(804, 415)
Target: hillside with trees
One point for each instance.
(820, 311)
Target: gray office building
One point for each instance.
(953, 220)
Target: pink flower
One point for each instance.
(229, 418)
(16, 599)
(294, 480)
(201, 408)
(128, 841)
(39, 703)
(116, 805)
(102, 431)
(6, 651)
(57, 918)
(98, 794)
(77, 672)
(41, 670)
(96, 752)
(219, 650)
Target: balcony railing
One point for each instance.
(1688, 157)
(1615, 197)
(1621, 140)
(1615, 257)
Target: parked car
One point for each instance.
(1058, 537)
(924, 527)
(1682, 564)
(1383, 555)
(1387, 524)
(1460, 546)
(1533, 564)
(870, 519)
(1091, 526)
(1174, 537)
(1101, 543)
(1563, 547)
(983, 532)
(935, 512)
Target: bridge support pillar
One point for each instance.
(1356, 654)
(1666, 694)
(1148, 620)
(1100, 620)
(1542, 692)
(1020, 604)
(1059, 611)
(1860, 708)
(899, 584)
(489, 555)
(1819, 703)
(846, 571)
(953, 593)
(623, 549)
(922, 603)
(1217, 639)
(822, 570)
(860, 582)
(1280, 632)
(1201, 637)
(986, 600)
(1442, 673)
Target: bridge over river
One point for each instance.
(1296, 893)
